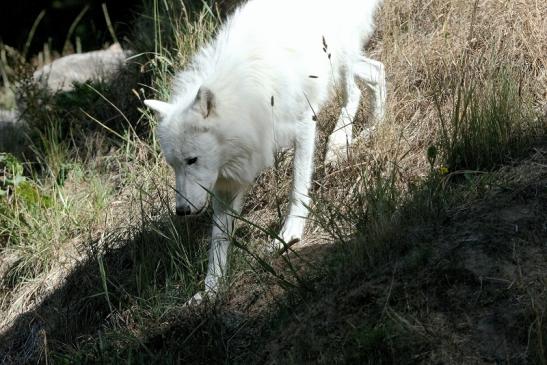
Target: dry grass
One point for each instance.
(428, 46)
(109, 221)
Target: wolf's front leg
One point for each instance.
(293, 228)
(225, 206)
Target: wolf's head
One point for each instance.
(191, 148)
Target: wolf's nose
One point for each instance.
(182, 211)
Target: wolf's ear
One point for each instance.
(161, 107)
(205, 101)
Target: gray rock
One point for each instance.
(62, 73)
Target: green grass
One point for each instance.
(490, 122)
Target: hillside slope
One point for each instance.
(425, 245)
(464, 288)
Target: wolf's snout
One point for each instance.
(182, 211)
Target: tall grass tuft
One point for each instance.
(490, 122)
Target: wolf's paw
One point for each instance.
(290, 235)
(337, 147)
(336, 154)
(196, 300)
(367, 134)
(200, 297)
(281, 247)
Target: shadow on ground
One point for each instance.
(104, 284)
(469, 286)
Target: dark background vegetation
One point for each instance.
(17, 18)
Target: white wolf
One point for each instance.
(254, 90)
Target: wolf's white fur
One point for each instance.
(254, 90)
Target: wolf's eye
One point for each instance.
(191, 161)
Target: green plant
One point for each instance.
(12, 171)
(490, 122)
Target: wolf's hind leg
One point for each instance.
(341, 136)
(373, 74)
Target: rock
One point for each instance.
(62, 73)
